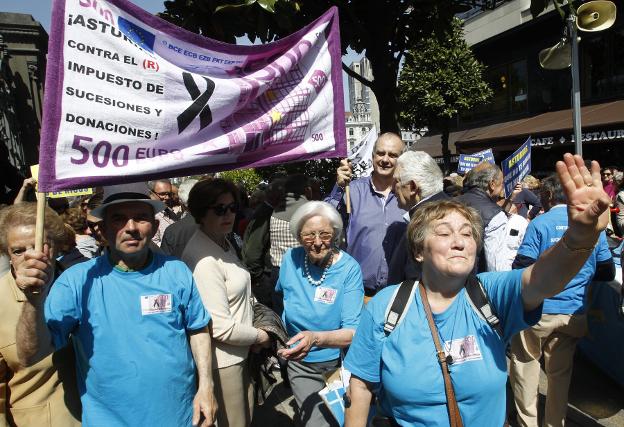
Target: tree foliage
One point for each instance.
(248, 178)
(324, 170)
(382, 29)
(440, 79)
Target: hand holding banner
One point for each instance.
(130, 97)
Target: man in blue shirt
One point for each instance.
(136, 321)
(375, 225)
(563, 321)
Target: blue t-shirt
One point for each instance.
(406, 366)
(334, 304)
(542, 233)
(129, 329)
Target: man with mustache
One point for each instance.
(129, 312)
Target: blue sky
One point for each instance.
(41, 11)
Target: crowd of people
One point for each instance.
(157, 305)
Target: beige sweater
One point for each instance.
(225, 288)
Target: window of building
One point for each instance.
(509, 84)
(350, 131)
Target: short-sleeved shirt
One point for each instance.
(542, 233)
(406, 367)
(336, 303)
(133, 356)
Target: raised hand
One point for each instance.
(588, 204)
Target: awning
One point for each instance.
(600, 123)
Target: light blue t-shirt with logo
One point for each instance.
(334, 304)
(129, 329)
(405, 365)
(542, 233)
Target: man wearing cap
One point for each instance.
(136, 321)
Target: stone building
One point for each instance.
(23, 49)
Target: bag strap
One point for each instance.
(481, 303)
(451, 403)
(400, 300)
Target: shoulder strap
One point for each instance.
(398, 305)
(455, 419)
(481, 303)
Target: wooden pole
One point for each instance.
(39, 228)
(348, 198)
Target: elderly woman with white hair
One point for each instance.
(323, 297)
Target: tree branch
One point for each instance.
(356, 76)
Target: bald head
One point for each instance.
(390, 137)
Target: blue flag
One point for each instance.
(143, 38)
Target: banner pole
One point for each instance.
(39, 228)
(348, 198)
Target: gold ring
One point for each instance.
(589, 185)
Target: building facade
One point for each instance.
(532, 102)
(23, 49)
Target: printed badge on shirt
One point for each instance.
(325, 295)
(463, 349)
(153, 304)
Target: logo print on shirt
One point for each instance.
(325, 295)
(153, 304)
(463, 349)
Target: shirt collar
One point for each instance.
(377, 192)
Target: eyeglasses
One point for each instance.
(221, 210)
(310, 237)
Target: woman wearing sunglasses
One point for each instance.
(225, 287)
(323, 297)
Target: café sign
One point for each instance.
(597, 136)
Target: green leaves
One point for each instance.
(440, 78)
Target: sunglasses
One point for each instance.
(221, 210)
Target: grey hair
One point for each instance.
(482, 175)
(184, 190)
(312, 209)
(420, 167)
(152, 184)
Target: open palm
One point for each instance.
(588, 204)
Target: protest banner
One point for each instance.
(469, 161)
(361, 154)
(131, 97)
(34, 172)
(487, 155)
(516, 167)
(361, 158)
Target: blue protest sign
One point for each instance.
(487, 155)
(467, 162)
(517, 166)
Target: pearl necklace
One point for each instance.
(309, 276)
